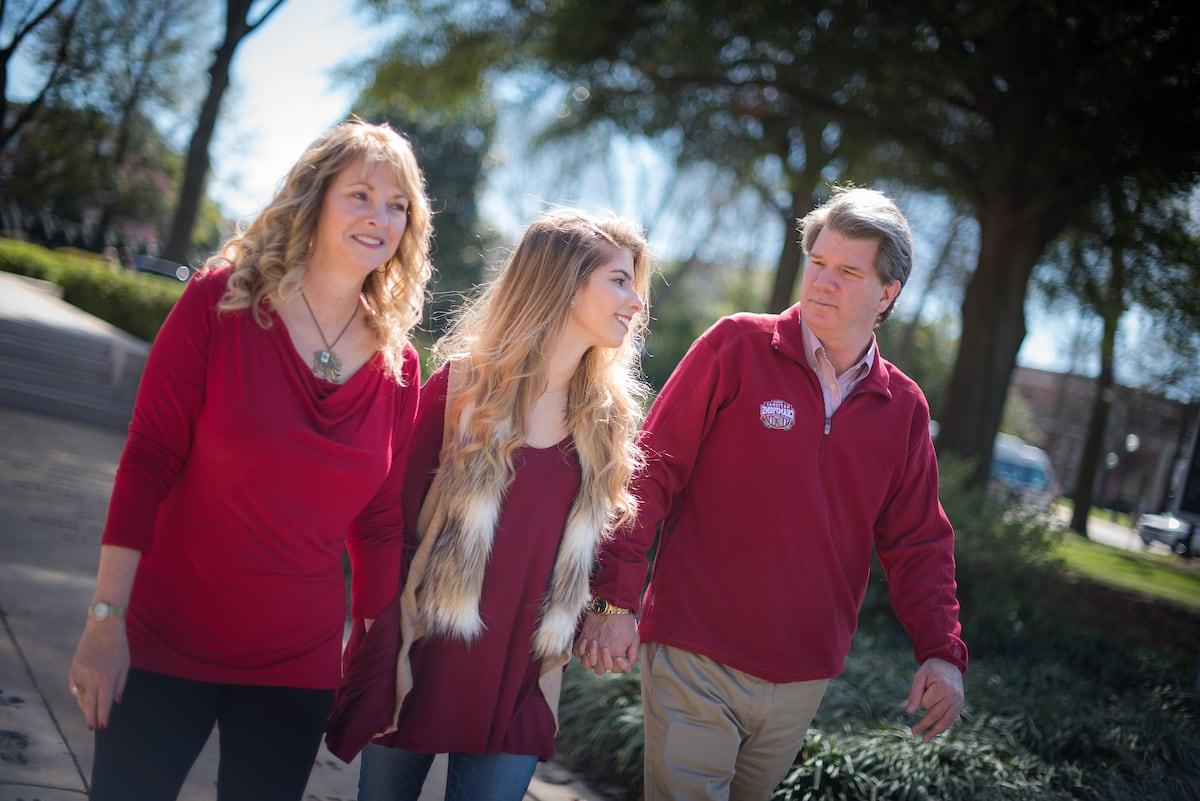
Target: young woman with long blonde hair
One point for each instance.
(269, 436)
(524, 449)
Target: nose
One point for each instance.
(378, 214)
(824, 279)
(635, 301)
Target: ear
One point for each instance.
(890, 291)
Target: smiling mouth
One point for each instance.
(369, 241)
(624, 321)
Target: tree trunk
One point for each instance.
(1109, 300)
(788, 268)
(993, 327)
(1093, 445)
(191, 193)
(195, 175)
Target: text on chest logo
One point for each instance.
(777, 414)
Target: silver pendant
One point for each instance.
(327, 365)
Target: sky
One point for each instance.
(284, 93)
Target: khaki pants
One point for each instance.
(713, 732)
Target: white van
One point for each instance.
(1022, 471)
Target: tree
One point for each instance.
(22, 21)
(1136, 250)
(59, 174)
(1023, 112)
(956, 90)
(191, 193)
(92, 167)
(128, 60)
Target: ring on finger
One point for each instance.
(78, 689)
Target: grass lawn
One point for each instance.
(1096, 513)
(1167, 577)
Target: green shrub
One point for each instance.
(1053, 712)
(29, 260)
(132, 302)
(600, 724)
(1004, 557)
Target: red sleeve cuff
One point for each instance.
(952, 650)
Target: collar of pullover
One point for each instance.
(788, 339)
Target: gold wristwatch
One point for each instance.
(599, 606)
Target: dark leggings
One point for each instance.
(269, 737)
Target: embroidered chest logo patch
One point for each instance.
(777, 414)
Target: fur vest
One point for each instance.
(454, 535)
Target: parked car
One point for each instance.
(1169, 529)
(1023, 472)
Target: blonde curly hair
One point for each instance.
(269, 257)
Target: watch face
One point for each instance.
(100, 611)
(597, 605)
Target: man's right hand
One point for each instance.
(608, 642)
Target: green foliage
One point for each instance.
(609, 745)
(135, 303)
(1003, 557)
(686, 299)
(925, 351)
(60, 172)
(1053, 712)
(1003, 554)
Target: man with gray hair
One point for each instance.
(782, 451)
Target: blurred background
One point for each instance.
(1046, 154)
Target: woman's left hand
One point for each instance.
(99, 669)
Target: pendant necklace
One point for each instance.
(326, 363)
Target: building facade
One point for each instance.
(1146, 443)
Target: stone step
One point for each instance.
(33, 355)
(67, 404)
(55, 339)
(90, 384)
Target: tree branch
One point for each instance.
(274, 7)
(26, 29)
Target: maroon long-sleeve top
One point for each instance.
(481, 697)
(243, 481)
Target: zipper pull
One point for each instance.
(827, 422)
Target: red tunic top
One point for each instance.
(244, 479)
(480, 698)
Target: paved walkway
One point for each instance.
(55, 479)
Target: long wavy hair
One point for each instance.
(500, 348)
(269, 257)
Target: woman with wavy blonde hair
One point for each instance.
(269, 437)
(524, 449)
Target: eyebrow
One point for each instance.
(843, 264)
(623, 272)
(371, 186)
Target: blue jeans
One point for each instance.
(392, 774)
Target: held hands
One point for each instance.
(937, 687)
(608, 643)
(99, 669)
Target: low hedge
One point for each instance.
(133, 302)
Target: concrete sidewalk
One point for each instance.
(55, 480)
